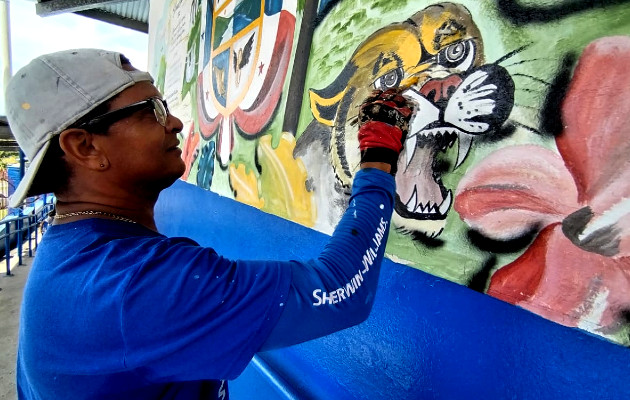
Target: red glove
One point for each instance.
(384, 122)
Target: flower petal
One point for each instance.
(566, 284)
(519, 280)
(596, 112)
(515, 188)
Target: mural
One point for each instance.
(513, 178)
(237, 57)
(437, 56)
(245, 60)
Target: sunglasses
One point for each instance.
(159, 107)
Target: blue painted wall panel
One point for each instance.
(426, 338)
(14, 176)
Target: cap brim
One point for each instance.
(21, 192)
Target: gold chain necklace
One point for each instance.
(92, 212)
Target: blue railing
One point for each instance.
(20, 229)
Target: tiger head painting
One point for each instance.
(437, 58)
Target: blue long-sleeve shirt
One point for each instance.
(114, 310)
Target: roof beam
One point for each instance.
(114, 19)
(45, 8)
(7, 141)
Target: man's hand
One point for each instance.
(384, 122)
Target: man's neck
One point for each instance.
(78, 210)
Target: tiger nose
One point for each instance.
(440, 90)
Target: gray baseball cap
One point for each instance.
(53, 92)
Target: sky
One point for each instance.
(32, 36)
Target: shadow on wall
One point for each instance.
(521, 14)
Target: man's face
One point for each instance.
(143, 154)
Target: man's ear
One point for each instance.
(80, 149)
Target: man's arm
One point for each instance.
(336, 290)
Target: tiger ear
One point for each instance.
(325, 102)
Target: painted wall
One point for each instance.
(426, 338)
(514, 179)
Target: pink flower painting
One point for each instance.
(577, 270)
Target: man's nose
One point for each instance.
(174, 124)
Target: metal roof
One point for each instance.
(129, 14)
(7, 141)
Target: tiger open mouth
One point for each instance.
(421, 195)
(465, 106)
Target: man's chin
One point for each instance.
(177, 175)
(169, 179)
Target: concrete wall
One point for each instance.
(513, 182)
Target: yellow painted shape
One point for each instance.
(321, 101)
(438, 31)
(401, 41)
(245, 186)
(283, 181)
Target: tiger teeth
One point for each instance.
(446, 203)
(413, 200)
(452, 133)
(429, 207)
(410, 147)
(465, 142)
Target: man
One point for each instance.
(114, 310)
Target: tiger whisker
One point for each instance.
(529, 90)
(529, 128)
(512, 54)
(532, 78)
(403, 230)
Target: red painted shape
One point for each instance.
(596, 116)
(519, 280)
(441, 89)
(207, 126)
(253, 120)
(189, 147)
